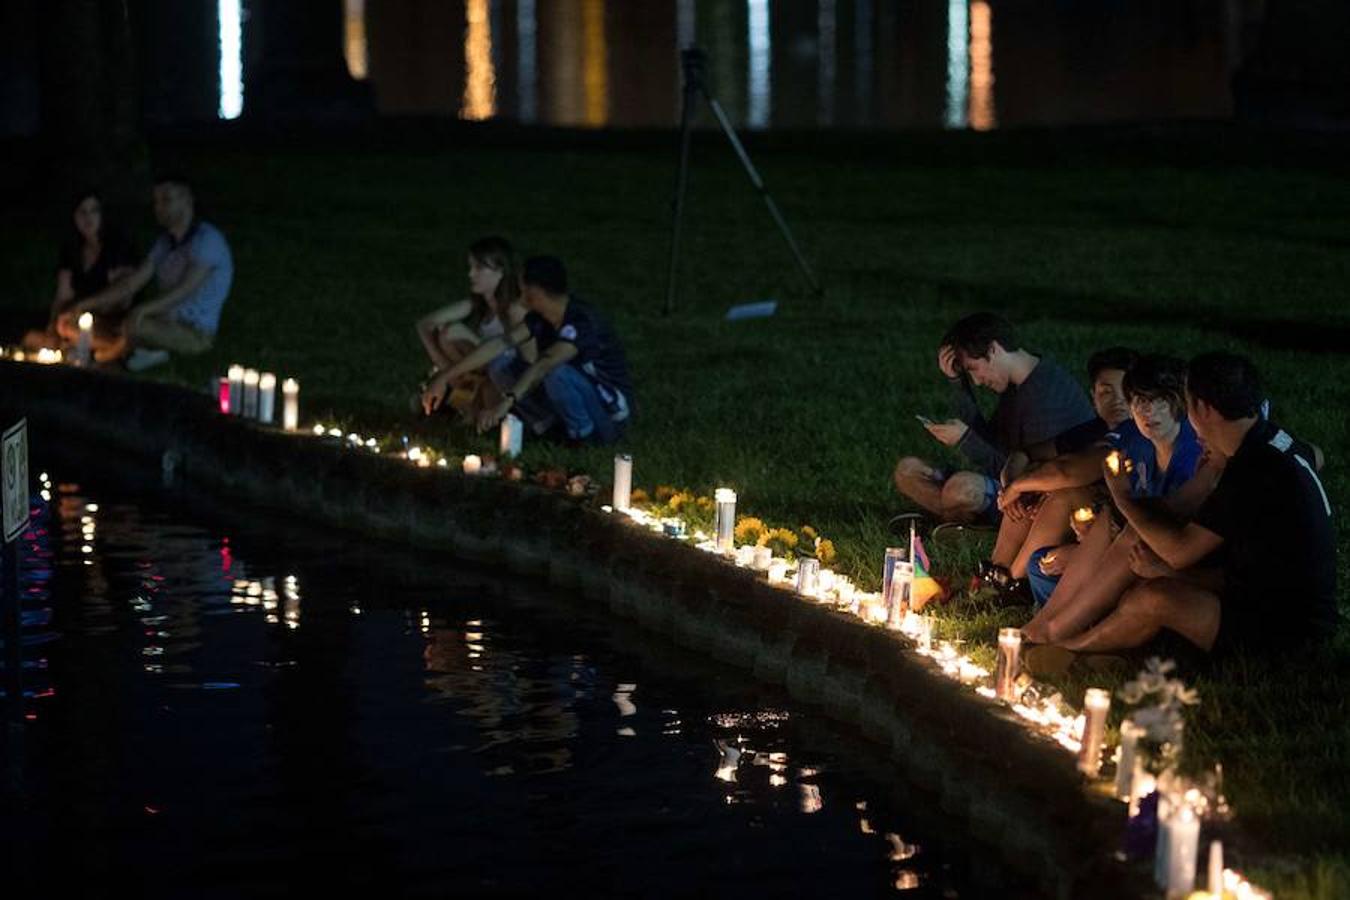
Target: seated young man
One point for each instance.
(578, 363)
(1269, 519)
(1038, 502)
(1037, 401)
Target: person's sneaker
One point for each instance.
(142, 359)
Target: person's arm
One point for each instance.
(65, 295)
(119, 293)
(1068, 471)
(559, 354)
(1179, 545)
(483, 354)
(196, 275)
(434, 321)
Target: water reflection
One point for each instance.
(958, 63)
(230, 26)
(827, 20)
(355, 48)
(759, 83)
(480, 80)
(982, 117)
(526, 65)
(595, 51)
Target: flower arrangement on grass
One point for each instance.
(1158, 702)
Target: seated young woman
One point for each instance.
(93, 256)
(455, 330)
(1164, 456)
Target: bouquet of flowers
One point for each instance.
(1158, 701)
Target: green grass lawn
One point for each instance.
(1086, 239)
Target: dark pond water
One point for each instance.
(881, 64)
(230, 707)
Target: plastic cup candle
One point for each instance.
(1183, 846)
(512, 436)
(726, 519)
(290, 404)
(897, 594)
(223, 395)
(1130, 734)
(267, 397)
(808, 574)
(1095, 705)
(745, 555)
(762, 559)
(1009, 663)
(85, 342)
(623, 481)
(236, 376)
(778, 571)
(473, 464)
(250, 393)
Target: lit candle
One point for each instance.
(267, 397)
(623, 481)
(777, 571)
(726, 519)
(844, 591)
(84, 344)
(1009, 663)
(826, 581)
(1130, 734)
(1095, 704)
(512, 436)
(745, 554)
(1183, 845)
(1083, 515)
(236, 376)
(893, 556)
(1216, 869)
(473, 464)
(897, 595)
(808, 571)
(250, 393)
(925, 638)
(763, 558)
(290, 404)
(223, 394)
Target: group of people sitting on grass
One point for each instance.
(99, 272)
(1169, 501)
(522, 343)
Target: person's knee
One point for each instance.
(1147, 599)
(965, 492)
(908, 469)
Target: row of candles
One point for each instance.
(1179, 811)
(253, 395)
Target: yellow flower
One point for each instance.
(705, 503)
(825, 552)
(809, 533)
(680, 499)
(638, 496)
(749, 529)
(785, 539)
(664, 492)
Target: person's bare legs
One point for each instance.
(917, 480)
(1079, 574)
(960, 498)
(1050, 526)
(1147, 608)
(1111, 576)
(1012, 536)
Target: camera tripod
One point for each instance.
(694, 65)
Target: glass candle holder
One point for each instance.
(623, 481)
(1096, 703)
(1009, 663)
(725, 519)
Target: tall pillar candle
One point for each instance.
(1095, 705)
(512, 436)
(250, 393)
(84, 344)
(236, 376)
(623, 481)
(1130, 734)
(726, 519)
(1216, 869)
(1009, 663)
(808, 574)
(897, 596)
(1183, 847)
(290, 404)
(267, 397)
(223, 394)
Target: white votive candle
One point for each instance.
(84, 344)
(808, 572)
(745, 555)
(623, 481)
(1129, 741)
(473, 464)
(1009, 663)
(763, 558)
(267, 397)
(725, 519)
(511, 437)
(250, 393)
(778, 571)
(290, 404)
(235, 374)
(1095, 705)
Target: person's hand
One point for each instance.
(1009, 495)
(433, 396)
(948, 433)
(1057, 560)
(1147, 564)
(1117, 478)
(947, 361)
(489, 417)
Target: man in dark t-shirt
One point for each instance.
(1268, 521)
(579, 380)
(1038, 400)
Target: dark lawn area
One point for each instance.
(1178, 240)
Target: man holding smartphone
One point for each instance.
(1037, 401)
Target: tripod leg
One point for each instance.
(758, 182)
(681, 180)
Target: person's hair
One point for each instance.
(1119, 358)
(972, 336)
(1227, 382)
(1156, 376)
(545, 272)
(497, 253)
(73, 235)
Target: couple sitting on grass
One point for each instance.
(1177, 507)
(522, 343)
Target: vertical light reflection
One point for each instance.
(760, 85)
(291, 608)
(862, 58)
(982, 115)
(958, 63)
(480, 76)
(595, 67)
(230, 29)
(686, 24)
(355, 49)
(827, 17)
(526, 25)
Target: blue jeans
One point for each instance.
(1042, 585)
(567, 394)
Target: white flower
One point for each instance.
(1130, 692)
